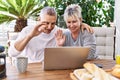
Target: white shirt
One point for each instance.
(34, 50)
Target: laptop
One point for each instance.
(56, 58)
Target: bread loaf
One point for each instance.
(83, 74)
(92, 72)
(98, 73)
(86, 76)
(90, 67)
(116, 66)
(116, 71)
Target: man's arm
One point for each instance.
(20, 44)
(87, 27)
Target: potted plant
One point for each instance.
(19, 10)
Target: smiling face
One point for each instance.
(73, 17)
(49, 22)
(73, 24)
(48, 17)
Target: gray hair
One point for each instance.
(49, 11)
(73, 10)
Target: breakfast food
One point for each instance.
(116, 66)
(92, 72)
(116, 71)
(86, 76)
(83, 73)
(97, 72)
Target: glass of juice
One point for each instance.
(117, 59)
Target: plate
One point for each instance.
(82, 74)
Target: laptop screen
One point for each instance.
(65, 57)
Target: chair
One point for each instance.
(105, 42)
(11, 36)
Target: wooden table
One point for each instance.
(35, 72)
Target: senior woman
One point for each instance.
(74, 36)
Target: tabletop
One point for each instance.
(35, 71)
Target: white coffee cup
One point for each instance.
(21, 64)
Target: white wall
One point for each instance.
(117, 24)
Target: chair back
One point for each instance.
(11, 36)
(105, 42)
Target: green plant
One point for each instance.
(19, 10)
(94, 13)
(98, 13)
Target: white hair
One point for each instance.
(73, 10)
(49, 11)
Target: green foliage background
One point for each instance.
(94, 13)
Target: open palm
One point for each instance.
(60, 38)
